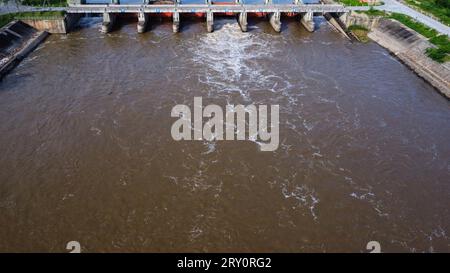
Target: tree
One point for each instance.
(4, 2)
(18, 3)
(443, 3)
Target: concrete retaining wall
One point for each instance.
(57, 25)
(17, 40)
(361, 19)
(49, 25)
(409, 47)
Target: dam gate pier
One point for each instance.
(273, 12)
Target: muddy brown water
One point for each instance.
(87, 155)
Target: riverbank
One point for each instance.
(61, 24)
(37, 15)
(17, 40)
(407, 45)
(410, 47)
(436, 9)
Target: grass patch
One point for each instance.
(360, 32)
(357, 27)
(374, 12)
(413, 24)
(352, 3)
(441, 53)
(39, 14)
(438, 54)
(47, 3)
(438, 8)
(6, 18)
(441, 41)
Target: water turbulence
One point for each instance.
(87, 153)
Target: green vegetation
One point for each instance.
(46, 3)
(442, 52)
(374, 12)
(413, 24)
(6, 18)
(37, 3)
(360, 32)
(353, 3)
(438, 54)
(438, 8)
(39, 14)
(358, 3)
(357, 27)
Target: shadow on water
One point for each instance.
(187, 21)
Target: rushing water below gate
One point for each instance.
(86, 152)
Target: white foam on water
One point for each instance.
(366, 194)
(96, 130)
(306, 197)
(67, 196)
(230, 61)
(195, 232)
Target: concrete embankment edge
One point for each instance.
(61, 25)
(26, 49)
(408, 46)
(411, 51)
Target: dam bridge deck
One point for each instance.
(306, 12)
(195, 8)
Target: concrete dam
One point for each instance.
(272, 11)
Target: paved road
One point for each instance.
(395, 6)
(10, 8)
(192, 8)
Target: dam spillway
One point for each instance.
(193, 8)
(272, 11)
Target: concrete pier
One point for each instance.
(176, 22)
(242, 20)
(275, 21)
(307, 21)
(143, 20)
(62, 25)
(203, 8)
(240, 9)
(108, 22)
(333, 19)
(210, 21)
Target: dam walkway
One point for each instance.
(272, 11)
(203, 8)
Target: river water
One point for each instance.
(87, 153)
